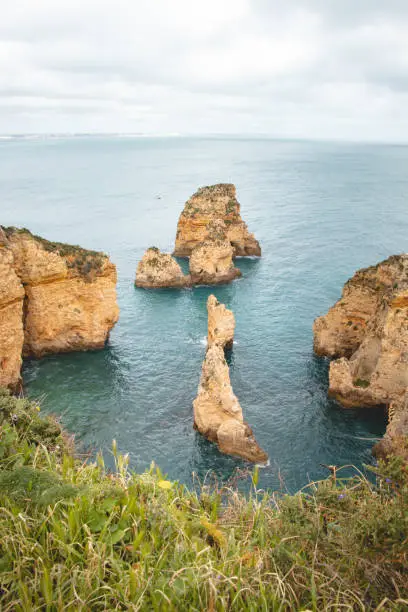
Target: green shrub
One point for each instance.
(361, 382)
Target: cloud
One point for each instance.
(309, 68)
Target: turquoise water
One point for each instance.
(320, 212)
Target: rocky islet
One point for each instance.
(211, 233)
(217, 412)
(209, 205)
(157, 270)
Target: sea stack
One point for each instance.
(158, 270)
(211, 263)
(59, 298)
(217, 412)
(208, 206)
(367, 329)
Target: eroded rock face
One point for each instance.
(217, 412)
(214, 213)
(221, 324)
(70, 294)
(11, 319)
(395, 441)
(340, 332)
(211, 263)
(369, 325)
(159, 270)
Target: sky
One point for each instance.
(324, 69)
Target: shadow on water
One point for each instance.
(375, 418)
(84, 385)
(344, 428)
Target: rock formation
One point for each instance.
(69, 299)
(368, 329)
(202, 215)
(158, 270)
(221, 324)
(217, 412)
(211, 263)
(11, 320)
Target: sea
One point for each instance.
(320, 210)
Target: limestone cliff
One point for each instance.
(11, 319)
(217, 412)
(368, 327)
(211, 263)
(204, 211)
(221, 324)
(70, 294)
(157, 270)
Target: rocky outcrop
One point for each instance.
(69, 294)
(217, 412)
(340, 332)
(395, 441)
(211, 263)
(368, 328)
(11, 319)
(221, 324)
(214, 212)
(158, 270)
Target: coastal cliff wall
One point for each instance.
(368, 330)
(65, 298)
(11, 320)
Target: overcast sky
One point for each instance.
(307, 68)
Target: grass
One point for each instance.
(74, 536)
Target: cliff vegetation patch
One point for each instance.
(84, 262)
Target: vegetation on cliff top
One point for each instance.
(75, 537)
(83, 261)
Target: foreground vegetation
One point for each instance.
(75, 537)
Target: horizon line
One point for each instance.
(221, 135)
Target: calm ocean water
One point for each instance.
(320, 211)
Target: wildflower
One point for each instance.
(388, 480)
(165, 484)
(341, 496)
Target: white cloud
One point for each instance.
(306, 68)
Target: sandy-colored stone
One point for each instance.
(11, 319)
(221, 324)
(217, 412)
(340, 332)
(200, 222)
(395, 441)
(376, 370)
(211, 263)
(70, 294)
(159, 270)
